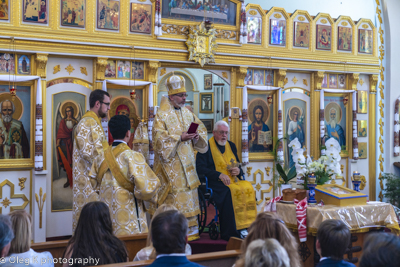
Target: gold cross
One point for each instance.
(248, 192)
(238, 194)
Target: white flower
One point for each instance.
(338, 171)
(295, 144)
(308, 160)
(333, 154)
(298, 156)
(332, 143)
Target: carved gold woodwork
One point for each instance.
(13, 195)
(285, 81)
(353, 80)
(249, 172)
(361, 81)
(40, 201)
(258, 187)
(202, 44)
(225, 75)
(280, 76)
(365, 26)
(83, 70)
(319, 76)
(267, 170)
(278, 16)
(363, 182)
(56, 69)
(21, 183)
(305, 82)
(253, 12)
(222, 34)
(6, 202)
(263, 181)
(175, 29)
(324, 21)
(69, 69)
(153, 70)
(373, 80)
(101, 64)
(241, 74)
(301, 19)
(163, 71)
(41, 62)
(344, 23)
(294, 80)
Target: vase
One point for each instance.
(311, 194)
(356, 185)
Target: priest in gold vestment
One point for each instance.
(174, 158)
(124, 180)
(89, 142)
(235, 198)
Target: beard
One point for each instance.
(333, 124)
(102, 114)
(221, 142)
(7, 118)
(177, 104)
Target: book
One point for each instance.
(264, 137)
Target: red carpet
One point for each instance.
(205, 244)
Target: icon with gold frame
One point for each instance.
(362, 128)
(206, 102)
(362, 104)
(362, 150)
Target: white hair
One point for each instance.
(268, 252)
(220, 123)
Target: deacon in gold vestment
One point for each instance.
(89, 142)
(174, 158)
(235, 199)
(125, 180)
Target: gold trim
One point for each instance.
(13, 195)
(372, 144)
(248, 171)
(21, 182)
(40, 201)
(212, 102)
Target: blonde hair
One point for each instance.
(266, 253)
(161, 209)
(21, 223)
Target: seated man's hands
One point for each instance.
(235, 171)
(225, 179)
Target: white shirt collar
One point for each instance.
(172, 254)
(324, 258)
(120, 141)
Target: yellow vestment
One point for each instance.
(125, 182)
(89, 142)
(242, 192)
(174, 161)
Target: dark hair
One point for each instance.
(254, 112)
(6, 231)
(168, 232)
(334, 238)
(72, 110)
(381, 249)
(94, 237)
(97, 95)
(118, 126)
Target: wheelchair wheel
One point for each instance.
(202, 217)
(213, 231)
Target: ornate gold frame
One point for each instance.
(212, 102)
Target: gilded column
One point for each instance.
(281, 76)
(41, 63)
(373, 80)
(101, 64)
(317, 114)
(240, 75)
(152, 101)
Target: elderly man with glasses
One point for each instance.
(174, 156)
(235, 198)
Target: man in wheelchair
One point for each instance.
(234, 197)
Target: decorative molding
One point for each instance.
(101, 64)
(344, 23)
(258, 187)
(40, 201)
(202, 44)
(223, 34)
(353, 80)
(305, 82)
(13, 195)
(21, 183)
(249, 173)
(253, 12)
(175, 29)
(363, 182)
(324, 21)
(6, 202)
(301, 18)
(153, 68)
(225, 75)
(361, 81)
(69, 69)
(373, 80)
(365, 26)
(280, 76)
(267, 170)
(83, 70)
(319, 77)
(56, 69)
(163, 71)
(294, 80)
(285, 81)
(278, 16)
(41, 63)
(241, 74)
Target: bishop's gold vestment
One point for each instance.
(174, 161)
(124, 186)
(89, 142)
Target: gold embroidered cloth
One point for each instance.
(141, 140)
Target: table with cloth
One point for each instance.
(360, 219)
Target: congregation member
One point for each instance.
(20, 253)
(93, 240)
(124, 180)
(174, 148)
(269, 225)
(169, 231)
(381, 249)
(333, 238)
(235, 198)
(6, 235)
(89, 142)
(266, 253)
(148, 252)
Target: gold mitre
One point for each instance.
(175, 84)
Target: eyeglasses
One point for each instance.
(107, 104)
(182, 95)
(222, 132)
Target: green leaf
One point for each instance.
(281, 172)
(292, 173)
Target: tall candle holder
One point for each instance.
(356, 181)
(311, 186)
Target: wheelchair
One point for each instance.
(205, 200)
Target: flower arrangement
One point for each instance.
(323, 168)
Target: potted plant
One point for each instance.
(392, 188)
(286, 175)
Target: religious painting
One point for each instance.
(269, 77)
(124, 69)
(110, 69)
(7, 63)
(277, 32)
(117, 93)
(345, 39)
(362, 150)
(209, 124)
(207, 81)
(24, 64)
(140, 18)
(216, 11)
(254, 30)
(362, 102)
(4, 10)
(325, 81)
(362, 128)
(108, 14)
(206, 102)
(260, 119)
(295, 125)
(324, 37)
(336, 119)
(68, 108)
(73, 13)
(333, 81)
(226, 109)
(301, 34)
(365, 41)
(16, 123)
(258, 77)
(138, 70)
(342, 81)
(35, 11)
(123, 105)
(248, 80)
